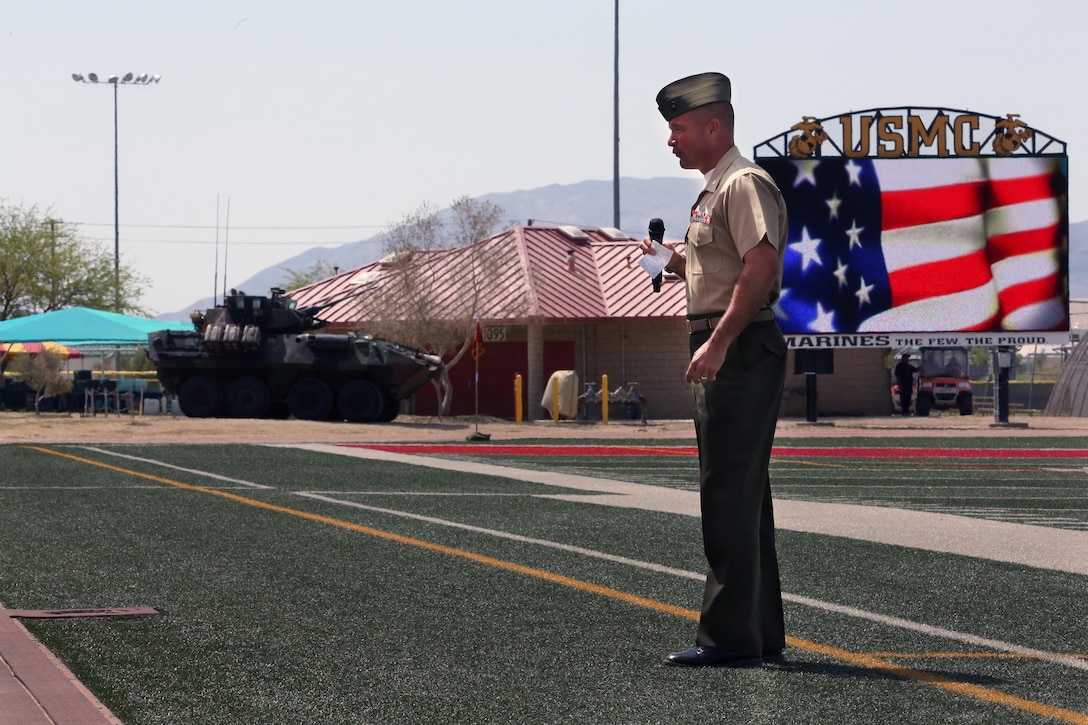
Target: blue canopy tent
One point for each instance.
(84, 327)
(102, 334)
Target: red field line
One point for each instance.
(781, 451)
(525, 450)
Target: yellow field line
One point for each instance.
(867, 661)
(390, 536)
(663, 450)
(945, 683)
(808, 463)
(976, 655)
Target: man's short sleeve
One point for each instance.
(752, 205)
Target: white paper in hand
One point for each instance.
(654, 264)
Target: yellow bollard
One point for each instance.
(555, 402)
(604, 400)
(517, 398)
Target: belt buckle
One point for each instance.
(702, 324)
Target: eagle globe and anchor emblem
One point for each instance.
(1010, 134)
(811, 136)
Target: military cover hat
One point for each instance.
(689, 93)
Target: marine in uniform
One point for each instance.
(904, 376)
(734, 248)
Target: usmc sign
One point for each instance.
(911, 132)
(894, 136)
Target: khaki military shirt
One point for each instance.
(738, 207)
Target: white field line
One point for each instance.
(898, 622)
(206, 474)
(1036, 546)
(661, 569)
(153, 487)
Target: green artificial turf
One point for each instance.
(275, 616)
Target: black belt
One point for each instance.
(702, 323)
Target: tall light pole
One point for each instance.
(616, 123)
(129, 79)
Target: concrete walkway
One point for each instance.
(36, 688)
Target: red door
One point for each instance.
(498, 365)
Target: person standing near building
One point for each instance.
(904, 377)
(734, 250)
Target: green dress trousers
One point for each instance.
(735, 419)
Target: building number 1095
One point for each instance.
(494, 334)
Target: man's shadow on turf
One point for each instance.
(859, 672)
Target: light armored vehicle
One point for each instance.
(263, 357)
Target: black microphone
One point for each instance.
(657, 234)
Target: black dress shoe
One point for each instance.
(773, 657)
(712, 657)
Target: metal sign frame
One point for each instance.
(810, 134)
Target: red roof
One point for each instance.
(540, 274)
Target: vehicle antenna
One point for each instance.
(215, 274)
(226, 248)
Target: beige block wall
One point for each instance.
(860, 385)
(655, 355)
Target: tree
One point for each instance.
(979, 356)
(421, 304)
(46, 265)
(42, 373)
(318, 271)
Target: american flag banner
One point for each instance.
(923, 244)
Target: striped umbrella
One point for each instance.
(11, 349)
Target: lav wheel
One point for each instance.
(360, 401)
(390, 409)
(310, 399)
(200, 397)
(248, 397)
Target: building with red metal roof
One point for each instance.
(555, 298)
(549, 298)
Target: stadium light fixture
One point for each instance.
(141, 80)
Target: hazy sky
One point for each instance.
(325, 122)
